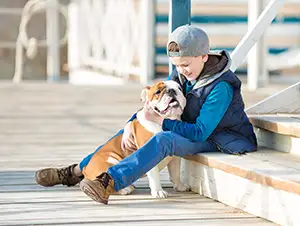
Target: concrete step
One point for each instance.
(265, 183)
(279, 132)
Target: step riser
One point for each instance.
(279, 142)
(275, 205)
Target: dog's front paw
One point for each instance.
(182, 187)
(161, 194)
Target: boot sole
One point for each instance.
(90, 189)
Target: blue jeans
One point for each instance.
(156, 149)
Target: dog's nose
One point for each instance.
(171, 92)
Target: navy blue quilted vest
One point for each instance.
(234, 134)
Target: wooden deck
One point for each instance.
(45, 125)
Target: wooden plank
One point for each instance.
(266, 167)
(278, 142)
(275, 205)
(286, 125)
(142, 207)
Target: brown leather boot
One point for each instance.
(53, 176)
(98, 189)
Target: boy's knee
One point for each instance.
(165, 141)
(164, 136)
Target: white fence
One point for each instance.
(113, 37)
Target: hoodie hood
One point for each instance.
(217, 64)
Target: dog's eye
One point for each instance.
(158, 92)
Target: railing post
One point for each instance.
(53, 55)
(252, 36)
(74, 59)
(147, 57)
(257, 69)
(179, 14)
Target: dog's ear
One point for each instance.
(145, 93)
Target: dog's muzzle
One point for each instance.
(172, 102)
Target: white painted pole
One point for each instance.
(248, 41)
(74, 59)
(257, 71)
(82, 21)
(53, 55)
(18, 61)
(263, 78)
(147, 57)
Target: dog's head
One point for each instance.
(165, 98)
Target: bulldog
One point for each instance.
(166, 99)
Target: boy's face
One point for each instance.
(190, 67)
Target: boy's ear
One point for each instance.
(205, 58)
(145, 93)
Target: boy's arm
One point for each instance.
(210, 115)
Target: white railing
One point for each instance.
(112, 36)
(256, 29)
(31, 44)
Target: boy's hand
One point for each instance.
(151, 115)
(128, 142)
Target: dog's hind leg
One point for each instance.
(174, 171)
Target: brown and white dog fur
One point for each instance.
(166, 99)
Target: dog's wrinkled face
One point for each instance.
(166, 99)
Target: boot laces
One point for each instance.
(104, 178)
(64, 174)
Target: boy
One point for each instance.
(213, 120)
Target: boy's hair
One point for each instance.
(173, 47)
